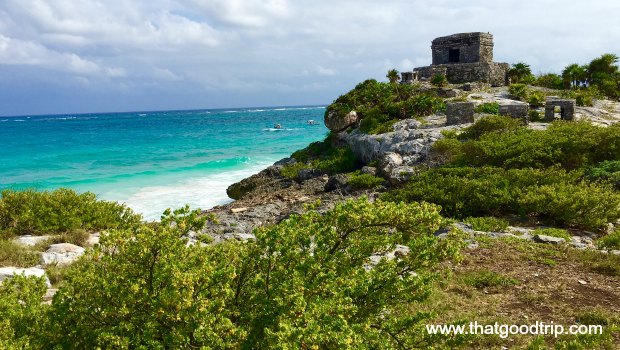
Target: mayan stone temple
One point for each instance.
(462, 58)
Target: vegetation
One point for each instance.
(359, 181)
(439, 80)
(304, 283)
(488, 108)
(13, 254)
(483, 279)
(610, 241)
(487, 224)
(552, 232)
(379, 105)
(323, 157)
(606, 171)
(32, 212)
(520, 73)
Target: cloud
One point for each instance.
(208, 53)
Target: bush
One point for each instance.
(323, 157)
(606, 171)
(379, 105)
(534, 115)
(518, 91)
(550, 81)
(13, 254)
(536, 98)
(610, 241)
(32, 212)
(552, 195)
(439, 80)
(304, 283)
(488, 108)
(571, 145)
(487, 224)
(359, 181)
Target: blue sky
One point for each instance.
(73, 56)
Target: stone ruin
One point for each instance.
(459, 113)
(462, 58)
(567, 108)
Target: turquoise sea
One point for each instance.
(152, 160)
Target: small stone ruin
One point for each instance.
(514, 109)
(566, 107)
(460, 113)
(462, 58)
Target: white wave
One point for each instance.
(4, 120)
(199, 192)
(256, 110)
(19, 120)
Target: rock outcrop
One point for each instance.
(61, 254)
(8, 272)
(336, 122)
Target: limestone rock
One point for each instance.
(369, 170)
(337, 182)
(265, 180)
(8, 272)
(61, 254)
(337, 123)
(29, 240)
(459, 113)
(400, 174)
(548, 239)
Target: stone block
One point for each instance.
(515, 110)
(459, 113)
(567, 108)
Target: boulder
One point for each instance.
(548, 239)
(390, 161)
(8, 272)
(61, 254)
(337, 182)
(336, 122)
(29, 240)
(369, 170)
(307, 174)
(400, 174)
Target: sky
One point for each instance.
(81, 56)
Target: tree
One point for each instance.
(574, 75)
(519, 72)
(307, 282)
(393, 76)
(603, 73)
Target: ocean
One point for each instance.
(152, 160)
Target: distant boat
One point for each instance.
(312, 122)
(277, 126)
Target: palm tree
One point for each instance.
(519, 71)
(574, 75)
(393, 76)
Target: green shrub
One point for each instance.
(483, 279)
(610, 241)
(550, 81)
(323, 157)
(360, 181)
(536, 98)
(570, 145)
(13, 254)
(552, 195)
(439, 80)
(32, 212)
(607, 171)
(303, 283)
(534, 115)
(518, 91)
(552, 232)
(379, 105)
(491, 124)
(487, 224)
(488, 108)
(22, 315)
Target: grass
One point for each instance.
(487, 224)
(14, 254)
(482, 288)
(553, 232)
(361, 181)
(610, 241)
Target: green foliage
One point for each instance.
(487, 224)
(488, 108)
(550, 81)
(439, 80)
(359, 181)
(570, 145)
(484, 279)
(536, 98)
(520, 72)
(610, 241)
(552, 232)
(13, 254)
(606, 171)
(322, 156)
(22, 316)
(534, 115)
(491, 125)
(32, 212)
(304, 283)
(552, 195)
(392, 76)
(518, 91)
(379, 105)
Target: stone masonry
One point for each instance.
(463, 58)
(459, 113)
(514, 109)
(567, 108)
